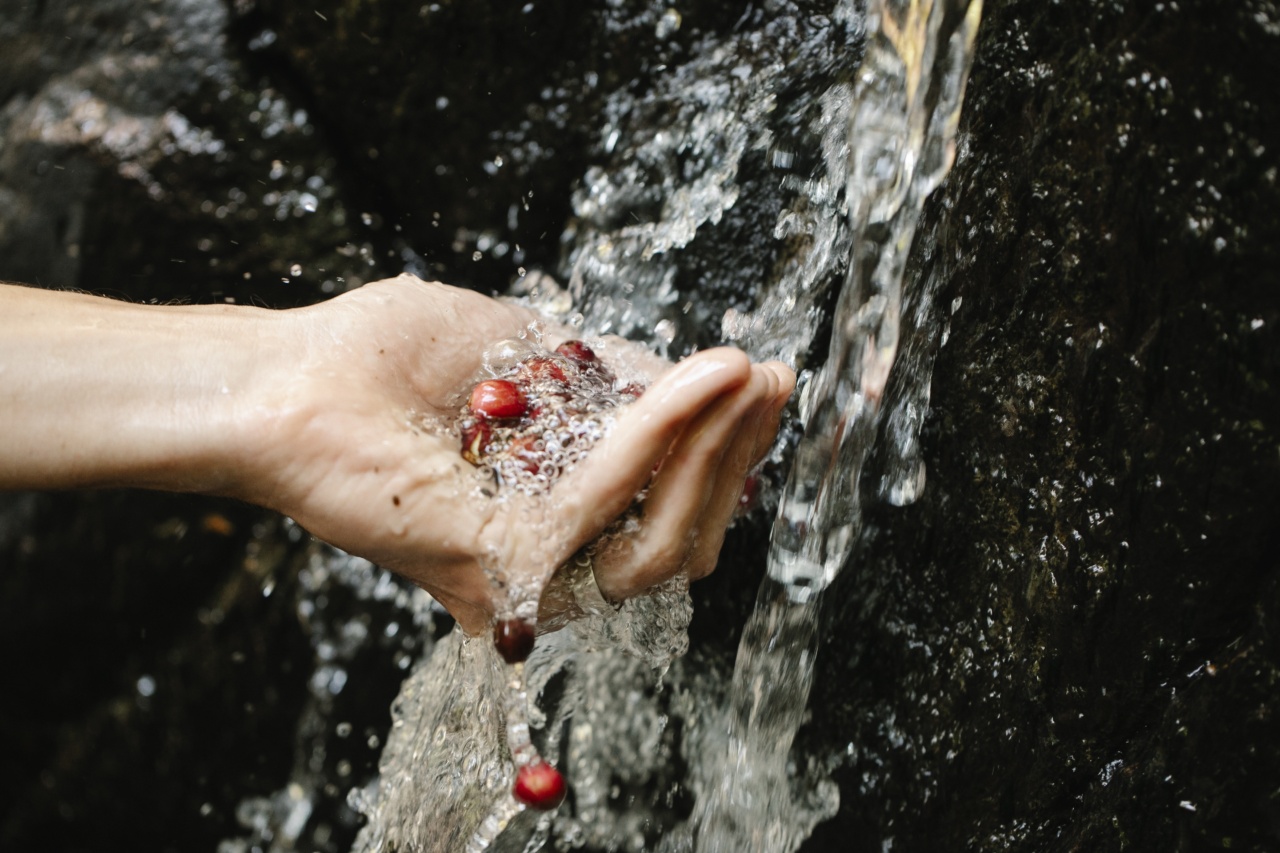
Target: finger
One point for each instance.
(583, 502)
(786, 386)
(682, 487)
(755, 430)
(679, 496)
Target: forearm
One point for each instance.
(96, 392)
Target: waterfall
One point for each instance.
(901, 143)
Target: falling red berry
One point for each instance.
(579, 352)
(476, 436)
(498, 398)
(539, 786)
(513, 639)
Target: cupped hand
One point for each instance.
(357, 449)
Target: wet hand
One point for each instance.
(346, 448)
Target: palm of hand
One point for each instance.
(359, 469)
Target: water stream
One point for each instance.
(666, 750)
(901, 143)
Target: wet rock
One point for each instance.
(1067, 643)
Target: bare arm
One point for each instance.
(97, 392)
(316, 413)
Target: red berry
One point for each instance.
(542, 367)
(634, 389)
(513, 639)
(539, 786)
(524, 451)
(498, 398)
(579, 352)
(476, 436)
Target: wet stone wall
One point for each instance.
(1067, 643)
(1070, 641)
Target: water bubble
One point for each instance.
(295, 270)
(146, 686)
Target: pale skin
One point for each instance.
(319, 412)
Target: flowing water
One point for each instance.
(901, 142)
(885, 145)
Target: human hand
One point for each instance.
(324, 414)
(345, 453)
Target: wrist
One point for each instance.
(187, 409)
(224, 420)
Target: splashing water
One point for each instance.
(595, 711)
(902, 126)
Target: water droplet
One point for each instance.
(295, 270)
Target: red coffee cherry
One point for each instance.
(750, 488)
(498, 398)
(579, 352)
(539, 786)
(543, 367)
(524, 450)
(634, 389)
(513, 639)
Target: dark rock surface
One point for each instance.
(1068, 642)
